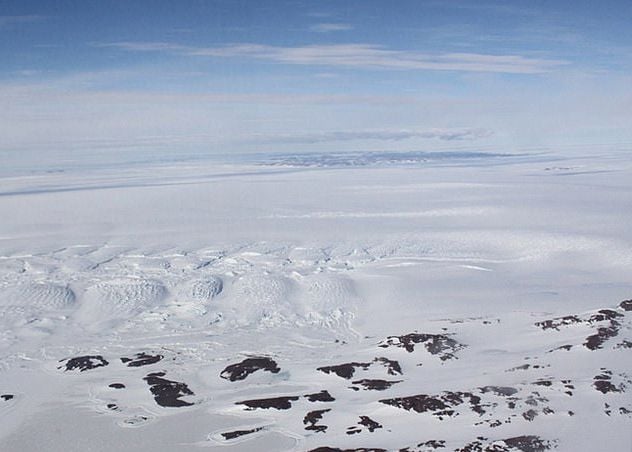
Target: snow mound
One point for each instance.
(326, 292)
(264, 299)
(204, 289)
(121, 298)
(39, 296)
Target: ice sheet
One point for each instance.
(494, 284)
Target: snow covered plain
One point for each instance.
(369, 302)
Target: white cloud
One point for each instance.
(365, 56)
(384, 135)
(329, 27)
(82, 113)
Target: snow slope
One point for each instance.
(375, 303)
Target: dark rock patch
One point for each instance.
(604, 314)
(347, 370)
(374, 385)
(240, 371)
(116, 385)
(392, 366)
(84, 363)
(526, 443)
(278, 403)
(493, 422)
(521, 367)
(626, 305)
(369, 423)
(112, 406)
(167, 393)
(365, 421)
(238, 433)
(439, 405)
(596, 341)
(565, 347)
(605, 386)
(530, 415)
(474, 446)
(436, 344)
(534, 399)
(344, 370)
(322, 396)
(6, 397)
(624, 344)
(311, 420)
(568, 386)
(605, 374)
(419, 403)
(431, 444)
(603, 383)
(142, 359)
(528, 366)
(504, 391)
(557, 322)
(337, 449)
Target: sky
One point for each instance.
(236, 76)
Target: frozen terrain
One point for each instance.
(417, 302)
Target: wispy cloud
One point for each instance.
(44, 115)
(319, 14)
(383, 135)
(366, 56)
(494, 8)
(7, 21)
(27, 72)
(329, 27)
(141, 46)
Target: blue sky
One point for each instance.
(223, 76)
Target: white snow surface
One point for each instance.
(469, 303)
